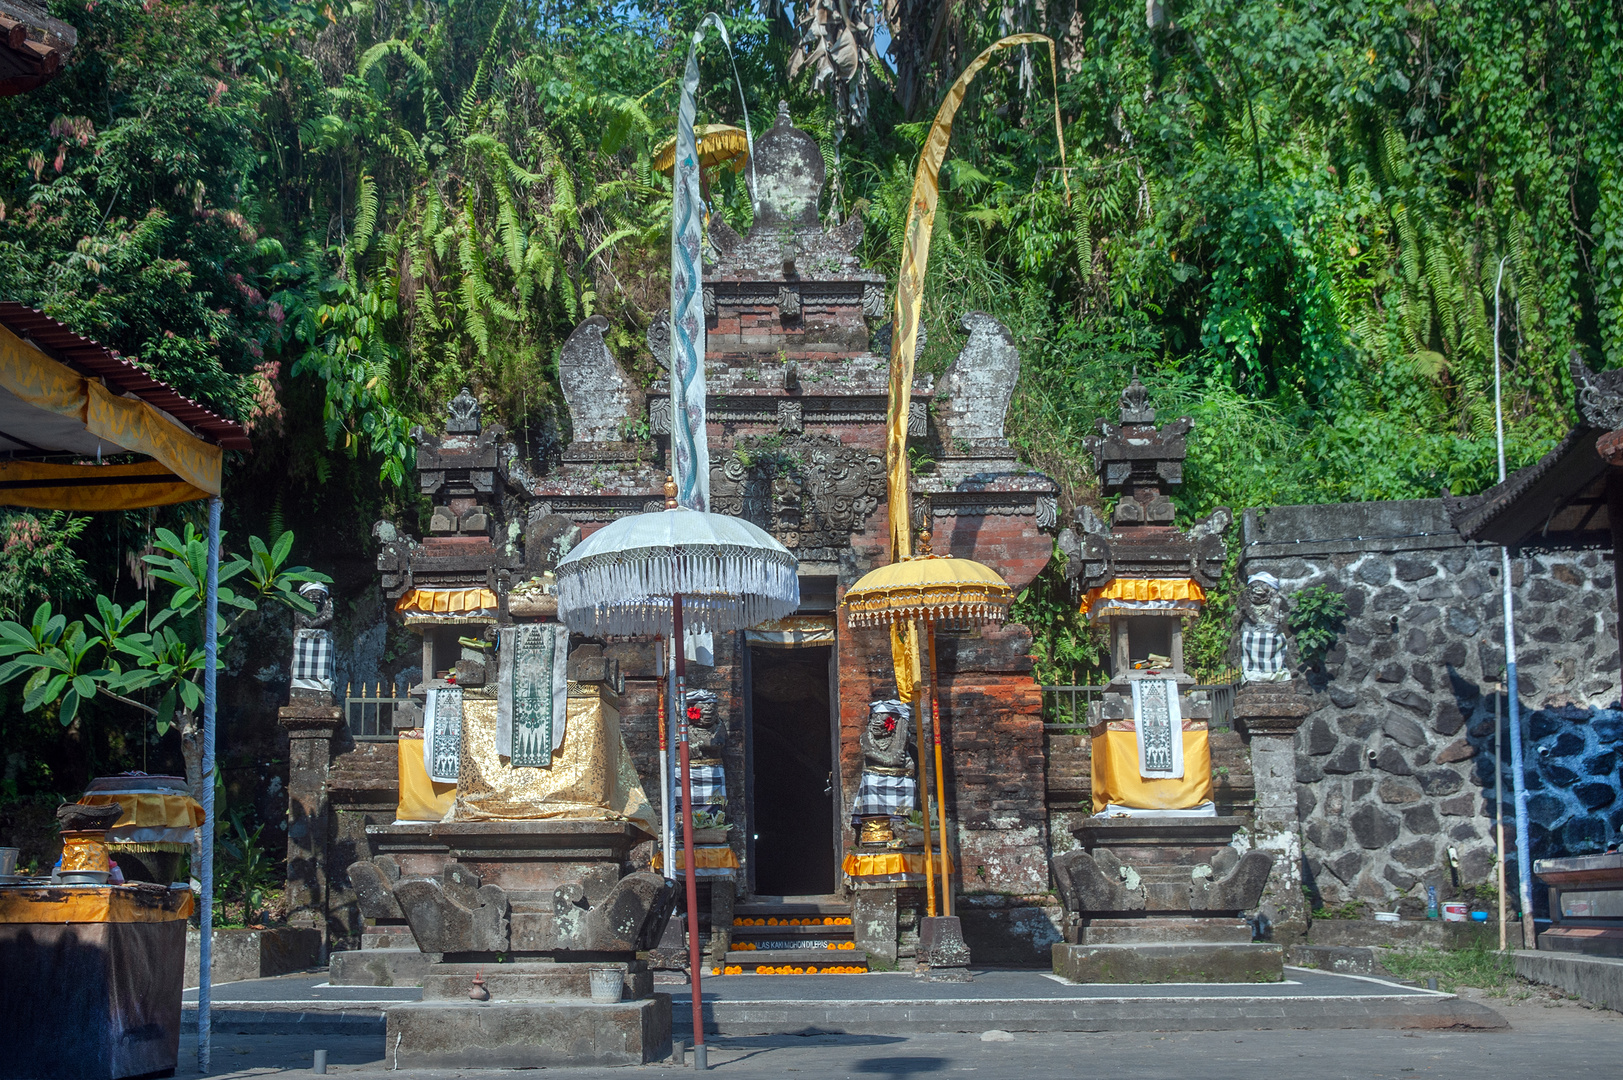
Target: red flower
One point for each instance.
(694, 715)
(890, 724)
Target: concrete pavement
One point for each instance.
(1548, 1036)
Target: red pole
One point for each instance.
(679, 651)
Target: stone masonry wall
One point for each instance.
(1395, 764)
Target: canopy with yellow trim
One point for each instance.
(68, 403)
(929, 587)
(1139, 596)
(718, 144)
(469, 605)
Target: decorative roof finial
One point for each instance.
(1135, 406)
(783, 115)
(462, 414)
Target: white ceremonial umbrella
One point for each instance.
(645, 575)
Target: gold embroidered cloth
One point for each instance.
(591, 777)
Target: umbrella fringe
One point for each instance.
(722, 589)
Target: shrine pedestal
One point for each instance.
(533, 912)
(1159, 899)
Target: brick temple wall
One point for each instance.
(1395, 764)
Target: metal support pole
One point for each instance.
(666, 832)
(211, 619)
(1499, 811)
(679, 654)
(1518, 779)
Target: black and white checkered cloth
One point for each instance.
(881, 794)
(313, 659)
(709, 786)
(1262, 655)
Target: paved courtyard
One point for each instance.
(1548, 1035)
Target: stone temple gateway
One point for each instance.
(1365, 778)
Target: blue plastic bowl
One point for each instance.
(1479, 916)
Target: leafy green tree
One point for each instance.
(104, 654)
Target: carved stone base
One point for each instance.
(527, 1034)
(943, 956)
(1184, 962)
(531, 980)
(379, 967)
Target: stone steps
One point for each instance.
(794, 946)
(750, 959)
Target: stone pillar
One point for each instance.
(1269, 714)
(874, 912)
(722, 893)
(311, 723)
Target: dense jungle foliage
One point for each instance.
(1290, 218)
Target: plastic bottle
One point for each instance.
(1431, 902)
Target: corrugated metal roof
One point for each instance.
(94, 359)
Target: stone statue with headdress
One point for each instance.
(1262, 630)
(314, 657)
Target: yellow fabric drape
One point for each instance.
(910, 282)
(91, 904)
(129, 423)
(884, 863)
(44, 486)
(1116, 779)
(904, 654)
(1144, 589)
(142, 429)
(421, 799)
(705, 858)
(150, 809)
(592, 776)
(446, 601)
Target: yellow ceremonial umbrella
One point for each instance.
(915, 594)
(719, 144)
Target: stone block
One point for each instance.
(873, 918)
(1158, 931)
(1410, 699)
(235, 955)
(1403, 730)
(1597, 980)
(941, 944)
(527, 1035)
(1321, 739)
(1373, 827)
(1173, 963)
(1020, 935)
(1341, 959)
(379, 967)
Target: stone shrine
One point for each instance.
(1156, 890)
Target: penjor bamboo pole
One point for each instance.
(927, 648)
(924, 782)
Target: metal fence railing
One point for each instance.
(371, 716)
(1067, 706)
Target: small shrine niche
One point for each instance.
(1144, 577)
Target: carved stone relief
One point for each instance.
(812, 492)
